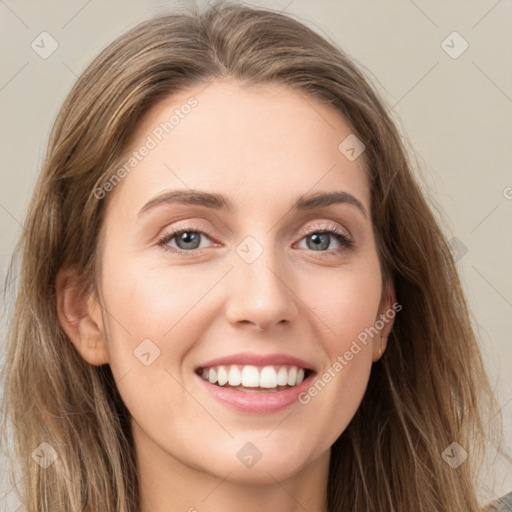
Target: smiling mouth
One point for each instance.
(254, 379)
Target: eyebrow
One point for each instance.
(217, 201)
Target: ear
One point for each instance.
(388, 308)
(80, 317)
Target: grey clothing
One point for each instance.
(503, 504)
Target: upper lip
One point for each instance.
(252, 358)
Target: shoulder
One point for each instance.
(503, 504)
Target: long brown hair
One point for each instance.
(428, 391)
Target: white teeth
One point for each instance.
(282, 377)
(268, 377)
(249, 376)
(222, 376)
(234, 376)
(292, 376)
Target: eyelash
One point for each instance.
(333, 230)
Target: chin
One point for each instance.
(273, 463)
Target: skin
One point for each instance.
(262, 147)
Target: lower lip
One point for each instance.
(258, 402)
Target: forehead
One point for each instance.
(264, 141)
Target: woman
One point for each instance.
(234, 294)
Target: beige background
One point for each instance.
(457, 113)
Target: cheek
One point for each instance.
(153, 319)
(343, 302)
(154, 301)
(152, 315)
(344, 308)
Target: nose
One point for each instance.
(261, 292)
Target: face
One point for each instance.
(264, 273)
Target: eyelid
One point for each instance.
(174, 231)
(328, 227)
(333, 229)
